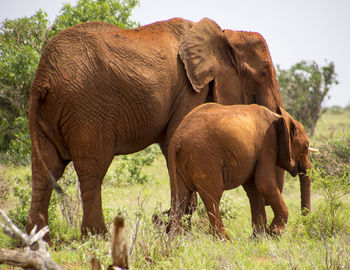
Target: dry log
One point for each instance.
(34, 255)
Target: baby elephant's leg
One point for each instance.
(210, 188)
(181, 199)
(257, 207)
(211, 201)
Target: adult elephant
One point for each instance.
(101, 91)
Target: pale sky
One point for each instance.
(295, 30)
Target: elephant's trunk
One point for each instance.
(305, 188)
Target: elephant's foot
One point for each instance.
(39, 220)
(258, 231)
(275, 230)
(219, 233)
(93, 229)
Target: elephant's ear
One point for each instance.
(200, 51)
(286, 130)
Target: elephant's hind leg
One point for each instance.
(41, 185)
(257, 207)
(90, 177)
(210, 188)
(92, 154)
(211, 201)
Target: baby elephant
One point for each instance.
(217, 147)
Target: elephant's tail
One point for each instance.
(38, 92)
(172, 152)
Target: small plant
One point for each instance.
(129, 170)
(331, 176)
(18, 152)
(22, 192)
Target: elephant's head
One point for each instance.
(237, 66)
(293, 153)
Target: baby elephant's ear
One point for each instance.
(286, 130)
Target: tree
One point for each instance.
(22, 41)
(304, 87)
(110, 11)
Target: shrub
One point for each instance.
(129, 169)
(20, 147)
(331, 176)
(304, 87)
(22, 192)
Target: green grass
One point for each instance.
(302, 246)
(335, 120)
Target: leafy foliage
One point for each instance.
(331, 176)
(19, 147)
(304, 87)
(129, 170)
(22, 192)
(110, 11)
(21, 43)
(332, 166)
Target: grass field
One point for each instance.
(305, 243)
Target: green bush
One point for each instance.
(19, 149)
(303, 88)
(129, 169)
(331, 176)
(22, 192)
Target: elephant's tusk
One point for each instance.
(314, 150)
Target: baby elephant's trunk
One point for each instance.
(305, 186)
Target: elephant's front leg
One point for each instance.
(92, 151)
(266, 184)
(280, 211)
(257, 207)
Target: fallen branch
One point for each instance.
(34, 255)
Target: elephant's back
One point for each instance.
(144, 53)
(98, 33)
(212, 121)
